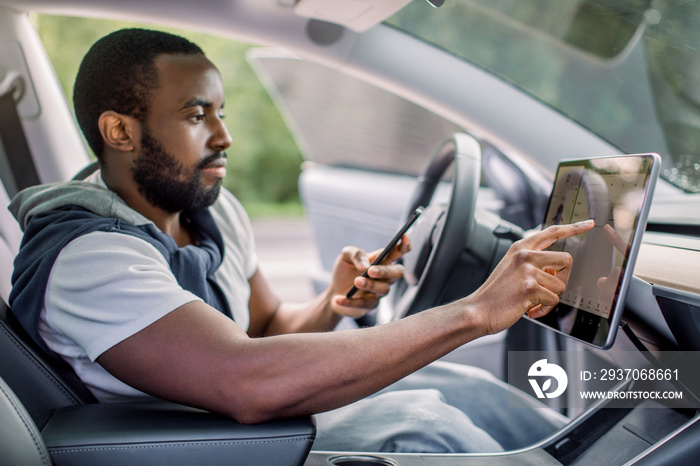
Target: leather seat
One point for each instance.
(20, 442)
(47, 414)
(144, 433)
(41, 382)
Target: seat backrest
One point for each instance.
(10, 239)
(40, 381)
(20, 442)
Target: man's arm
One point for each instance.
(196, 356)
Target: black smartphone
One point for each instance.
(389, 247)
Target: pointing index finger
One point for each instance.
(554, 233)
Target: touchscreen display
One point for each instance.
(615, 192)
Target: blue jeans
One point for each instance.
(442, 408)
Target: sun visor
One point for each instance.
(357, 15)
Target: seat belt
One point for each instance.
(19, 157)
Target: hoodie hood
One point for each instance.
(90, 196)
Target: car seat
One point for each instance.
(21, 443)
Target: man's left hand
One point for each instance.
(351, 263)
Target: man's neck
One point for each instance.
(167, 222)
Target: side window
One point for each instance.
(340, 120)
(343, 121)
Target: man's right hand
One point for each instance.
(527, 280)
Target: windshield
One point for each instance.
(628, 70)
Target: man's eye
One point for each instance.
(198, 118)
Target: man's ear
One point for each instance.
(118, 130)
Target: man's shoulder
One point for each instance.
(108, 252)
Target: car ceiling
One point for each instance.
(464, 94)
(255, 21)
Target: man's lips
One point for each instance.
(215, 168)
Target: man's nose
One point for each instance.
(221, 138)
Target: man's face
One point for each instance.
(167, 183)
(181, 162)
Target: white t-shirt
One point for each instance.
(106, 286)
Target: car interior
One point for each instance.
(380, 94)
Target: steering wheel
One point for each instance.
(440, 234)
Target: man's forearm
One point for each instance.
(315, 315)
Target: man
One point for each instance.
(144, 278)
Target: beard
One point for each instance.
(166, 183)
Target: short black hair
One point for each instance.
(118, 73)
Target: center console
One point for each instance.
(608, 432)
